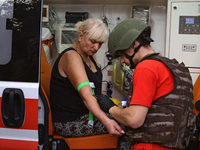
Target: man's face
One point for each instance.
(123, 58)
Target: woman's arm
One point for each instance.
(71, 66)
(102, 92)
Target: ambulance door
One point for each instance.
(20, 25)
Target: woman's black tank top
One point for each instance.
(66, 104)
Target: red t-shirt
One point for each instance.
(151, 80)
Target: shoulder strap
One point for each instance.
(68, 49)
(94, 62)
(148, 56)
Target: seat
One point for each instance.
(196, 93)
(103, 141)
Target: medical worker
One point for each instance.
(160, 114)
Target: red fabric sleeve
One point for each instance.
(151, 80)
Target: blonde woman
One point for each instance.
(73, 68)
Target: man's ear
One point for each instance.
(135, 44)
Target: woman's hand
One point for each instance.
(114, 128)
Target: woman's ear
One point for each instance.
(80, 34)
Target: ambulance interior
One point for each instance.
(165, 18)
(174, 29)
(111, 13)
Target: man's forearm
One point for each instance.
(132, 116)
(120, 115)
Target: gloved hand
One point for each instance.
(105, 102)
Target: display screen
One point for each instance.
(189, 21)
(69, 37)
(44, 12)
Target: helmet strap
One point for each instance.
(131, 57)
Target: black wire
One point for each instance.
(104, 67)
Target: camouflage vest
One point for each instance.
(170, 121)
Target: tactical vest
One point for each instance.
(170, 121)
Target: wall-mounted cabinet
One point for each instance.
(107, 2)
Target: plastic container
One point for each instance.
(123, 103)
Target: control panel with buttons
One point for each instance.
(189, 47)
(189, 25)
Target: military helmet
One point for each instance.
(125, 33)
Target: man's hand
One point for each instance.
(105, 103)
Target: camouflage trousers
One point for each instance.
(80, 128)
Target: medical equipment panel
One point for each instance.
(182, 34)
(45, 13)
(189, 24)
(122, 77)
(141, 12)
(65, 37)
(73, 17)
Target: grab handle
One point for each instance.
(13, 107)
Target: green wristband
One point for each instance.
(82, 84)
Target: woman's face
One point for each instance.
(89, 46)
